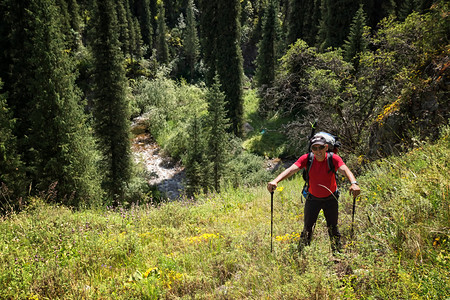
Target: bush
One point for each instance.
(168, 108)
(246, 169)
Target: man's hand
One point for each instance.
(355, 190)
(271, 186)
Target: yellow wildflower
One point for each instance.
(203, 238)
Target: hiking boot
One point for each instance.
(335, 239)
(305, 240)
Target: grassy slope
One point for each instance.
(219, 247)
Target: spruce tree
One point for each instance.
(123, 28)
(145, 21)
(154, 21)
(55, 143)
(356, 43)
(376, 10)
(191, 42)
(268, 47)
(11, 167)
(335, 22)
(111, 108)
(75, 24)
(311, 21)
(228, 56)
(135, 38)
(195, 159)
(297, 10)
(162, 47)
(217, 127)
(208, 37)
(406, 7)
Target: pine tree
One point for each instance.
(191, 42)
(55, 143)
(268, 47)
(111, 108)
(356, 43)
(217, 125)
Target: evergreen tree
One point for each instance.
(208, 36)
(135, 38)
(229, 62)
(145, 21)
(268, 47)
(406, 7)
(123, 28)
(335, 21)
(75, 24)
(137, 46)
(311, 21)
(356, 42)
(111, 108)
(53, 138)
(154, 22)
(191, 43)
(11, 169)
(223, 55)
(218, 124)
(376, 10)
(195, 160)
(296, 14)
(162, 47)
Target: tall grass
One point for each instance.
(218, 246)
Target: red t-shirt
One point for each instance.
(322, 183)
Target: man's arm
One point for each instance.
(271, 186)
(354, 188)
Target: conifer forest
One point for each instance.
(226, 92)
(75, 73)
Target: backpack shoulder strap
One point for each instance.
(331, 167)
(309, 163)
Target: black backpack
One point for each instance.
(333, 147)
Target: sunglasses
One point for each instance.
(317, 148)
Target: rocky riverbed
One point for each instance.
(166, 174)
(169, 176)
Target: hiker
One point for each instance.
(322, 190)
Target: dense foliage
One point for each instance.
(75, 72)
(228, 89)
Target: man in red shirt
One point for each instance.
(322, 192)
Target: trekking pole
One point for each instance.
(353, 215)
(271, 220)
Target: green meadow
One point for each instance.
(218, 246)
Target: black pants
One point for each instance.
(330, 208)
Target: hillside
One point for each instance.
(219, 247)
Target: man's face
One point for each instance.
(319, 151)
